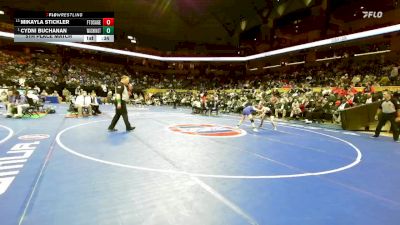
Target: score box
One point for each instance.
(108, 21)
(108, 30)
(104, 38)
(98, 38)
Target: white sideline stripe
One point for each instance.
(334, 131)
(293, 125)
(224, 200)
(9, 173)
(10, 158)
(13, 161)
(11, 167)
(314, 128)
(350, 133)
(354, 163)
(10, 133)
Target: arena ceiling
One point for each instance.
(162, 23)
(166, 24)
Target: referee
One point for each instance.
(389, 108)
(122, 96)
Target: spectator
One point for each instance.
(55, 94)
(66, 94)
(388, 111)
(11, 103)
(94, 104)
(83, 102)
(3, 97)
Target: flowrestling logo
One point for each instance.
(207, 130)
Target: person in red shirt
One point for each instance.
(203, 100)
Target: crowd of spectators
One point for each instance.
(299, 103)
(49, 75)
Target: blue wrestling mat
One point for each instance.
(177, 168)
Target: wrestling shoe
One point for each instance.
(130, 129)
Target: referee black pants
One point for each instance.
(118, 113)
(382, 121)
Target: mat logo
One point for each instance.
(208, 130)
(13, 162)
(33, 137)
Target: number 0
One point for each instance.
(108, 22)
(108, 30)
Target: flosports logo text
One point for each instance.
(372, 14)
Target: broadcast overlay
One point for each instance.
(64, 27)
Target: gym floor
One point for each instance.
(178, 168)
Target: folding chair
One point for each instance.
(31, 109)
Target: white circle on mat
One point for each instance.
(356, 161)
(10, 133)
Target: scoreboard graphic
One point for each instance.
(64, 26)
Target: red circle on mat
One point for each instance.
(33, 137)
(209, 130)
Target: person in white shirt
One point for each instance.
(369, 99)
(55, 94)
(3, 97)
(11, 102)
(266, 112)
(83, 101)
(44, 93)
(395, 71)
(388, 111)
(104, 88)
(37, 88)
(196, 106)
(21, 81)
(281, 107)
(21, 104)
(123, 92)
(32, 96)
(78, 90)
(296, 111)
(94, 103)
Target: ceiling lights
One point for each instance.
(371, 53)
(330, 41)
(133, 39)
(268, 67)
(328, 58)
(295, 63)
